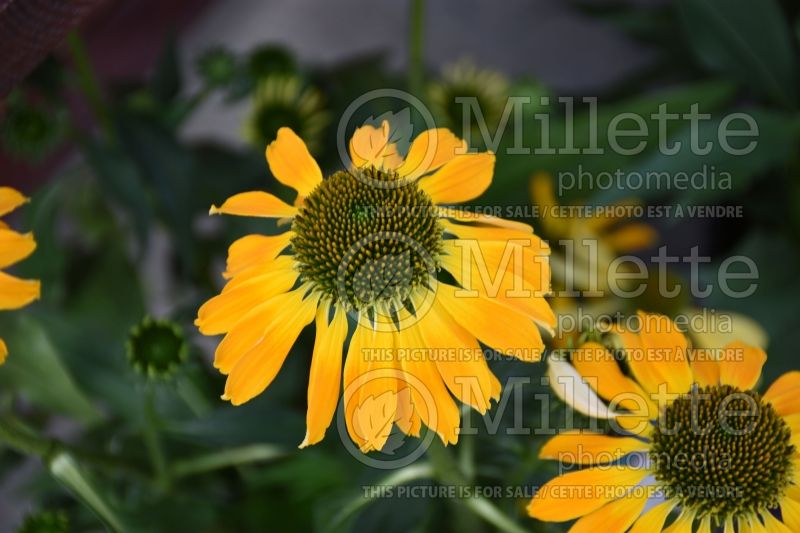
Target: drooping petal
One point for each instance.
(256, 369)
(292, 164)
(15, 247)
(3, 351)
(740, 365)
(253, 326)
(600, 370)
(430, 150)
(222, 312)
(489, 276)
(463, 178)
(614, 517)
(429, 395)
(370, 146)
(653, 520)
(253, 250)
(493, 324)
(559, 501)
(586, 448)
(459, 358)
(376, 392)
(16, 293)
(326, 373)
(10, 199)
(255, 204)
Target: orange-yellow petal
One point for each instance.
(222, 312)
(15, 247)
(371, 146)
(600, 370)
(684, 522)
(461, 179)
(458, 356)
(705, 367)
(493, 324)
(255, 204)
(256, 369)
(253, 326)
(429, 151)
(3, 351)
(783, 394)
(463, 215)
(790, 511)
(252, 250)
(10, 199)
(577, 494)
(657, 356)
(614, 517)
(16, 293)
(653, 520)
(432, 402)
(292, 164)
(586, 448)
(741, 364)
(326, 373)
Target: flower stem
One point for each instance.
(152, 440)
(416, 42)
(446, 471)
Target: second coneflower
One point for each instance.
(14, 247)
(372, 255)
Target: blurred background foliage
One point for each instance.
(123, 235)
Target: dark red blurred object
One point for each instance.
(123, 40)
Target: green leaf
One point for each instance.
(34, 368)
(749, 41)
(66, 470)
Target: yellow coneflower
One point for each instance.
(14, 247)
(282, 100)
(714, 452)
(371, 243)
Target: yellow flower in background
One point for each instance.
(371, 243)
(697, 463)
(610, 236)
(14, 247)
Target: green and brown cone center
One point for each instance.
(366, 237)
(723, 452)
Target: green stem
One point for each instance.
(152, 440)
(226, 458)
(416, 44)
(88, 83)
(69, 473)
(446, 471)
(408, 474)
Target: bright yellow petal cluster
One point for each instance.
(14, 247)
(659, 362)
(266, 302)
